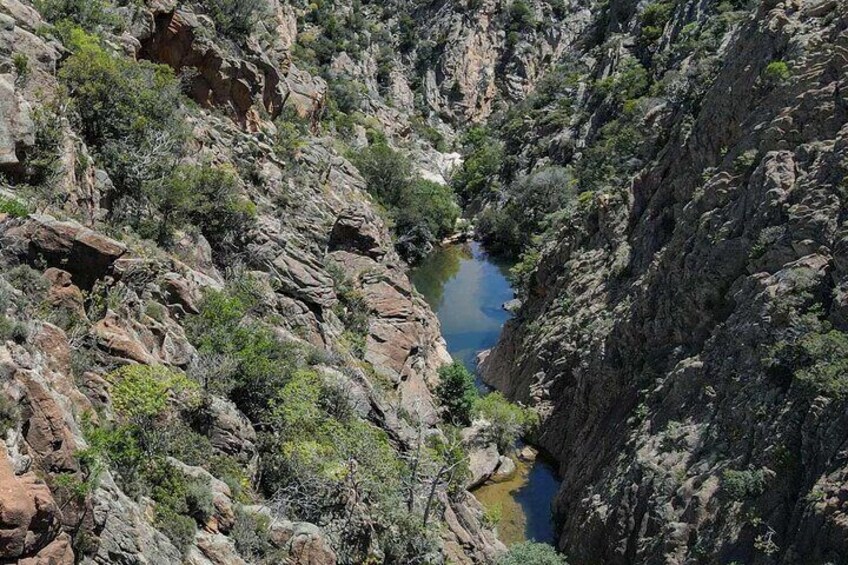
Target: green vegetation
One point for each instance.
(456, 393)
(818, 361)
(129, 113)
(654, 18)
(423, 211)
(743, 484)
(329, 467)
(258, 363)
(533, 199)
(13, 207)
(776, 73)
(134, 447)
(236, 18)
(508, 421)
(481, 166)
(90, 15)
(9, 412)
(207, 197)
(351, 309)
(531, 553)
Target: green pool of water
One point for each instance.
(467, 288)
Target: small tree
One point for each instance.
(386, 172)
(508, 421)
(457, 393)
(236, 17)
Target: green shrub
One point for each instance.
(251, 535)
(11, 329)
(456, 393)
(42, 161)
(386, 172)
(743, 484)
(478, 173)
(14, 208)
(521, 17)
(128, 111)
(180, 529)
(508, 421)
(818, 361)
(776, 73)
(30, 282)
(427, 204)
(423, 211)
(654, 18)
(90, 15)
(208, 197)
(628, 82)
(9, 410)
(141, 393)
(236, 18)
(263, 362)
(531, 553)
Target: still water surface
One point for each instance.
(467, 288)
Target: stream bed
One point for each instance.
(467, 288)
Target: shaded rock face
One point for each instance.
(16, 128)
(220, 80)
(646, 337)
(86, 254)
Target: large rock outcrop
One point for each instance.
(648, 337)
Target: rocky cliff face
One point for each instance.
(85, 296)
(683, 328)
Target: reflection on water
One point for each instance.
(525, 502)
(467, 288)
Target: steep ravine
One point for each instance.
(468, 289)
(683, 330)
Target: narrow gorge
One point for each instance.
(421, 281)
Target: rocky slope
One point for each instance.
(683, 325)
(89, 296)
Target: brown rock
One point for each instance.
(29, 517)
(45, 429)
(84, 253)
(358, 230)
(118, 341)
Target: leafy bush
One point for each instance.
(13, 207)
(90, 15)
(654, 18)
(208, 197)
(508, 421)
(531, 553)
(128, 111)
(32, 283)
(423, 211)
(11, 329)
(251, 535)
(456, 393)
(141, 393)
(743, 484)
(776, 73)
(9, 412)
(479, 171)
(263, 362)
(818, 361)
(236, 18)
(335, 472)
(385, 171)
(180, 529)
(505, 228)
(630, 81)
